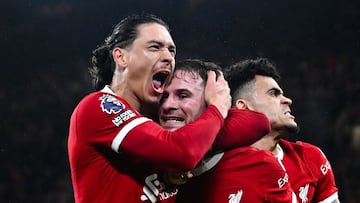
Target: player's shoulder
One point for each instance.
(267, 159)
(306, 150)
(93, 96)
(87, 104)
(261, 165)
(250, 155)
(104, 95)
(244, 151)
(105, 105)
(105, 99)
(264, 165)
(299, 146)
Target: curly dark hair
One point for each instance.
(243, 72)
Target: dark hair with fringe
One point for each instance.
(198, 66)
(123, 35)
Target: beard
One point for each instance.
(292, 129)
(285, 130)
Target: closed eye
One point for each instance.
(183, 93)
(155, 44)
(154, 47)
(183, 96)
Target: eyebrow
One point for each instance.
(182, 90)
(162, 44)
(276, 90)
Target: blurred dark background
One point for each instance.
(46, 48)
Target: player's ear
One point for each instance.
(241, 104)
(120, 56)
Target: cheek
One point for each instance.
(269, 112)
(193, 110)
(269, 108)
(141, 58)
(140, 67)
(188, 109)
(264, 108)
(149, 57)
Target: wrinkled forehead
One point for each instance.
(185, 81)
(155, 32)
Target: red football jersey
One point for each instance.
(310, 173)
(243, 175)
(114, 152)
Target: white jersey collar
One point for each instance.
(280, 152)
(207, 165)
(108, 90)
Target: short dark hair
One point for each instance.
(198, 66)
(243, 72)
(123, 35)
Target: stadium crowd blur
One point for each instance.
(46, 49)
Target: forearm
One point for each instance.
(241, 128)
(179, 150)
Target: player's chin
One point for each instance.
(169, 127)
(289, 121)
(292, 128)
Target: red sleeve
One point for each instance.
(241, 128)
(181, 149)
(103, 120)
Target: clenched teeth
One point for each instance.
(173, 119)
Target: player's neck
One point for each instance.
(268, 142)
(120, 87)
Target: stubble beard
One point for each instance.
(286, 130)
(292, 129)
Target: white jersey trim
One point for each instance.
(280, 156)
(207, 165)
(115, 145)
(108, 90)
(293, 198)
(334, 198)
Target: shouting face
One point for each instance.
(183, 100)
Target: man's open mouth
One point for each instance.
(159, 79)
